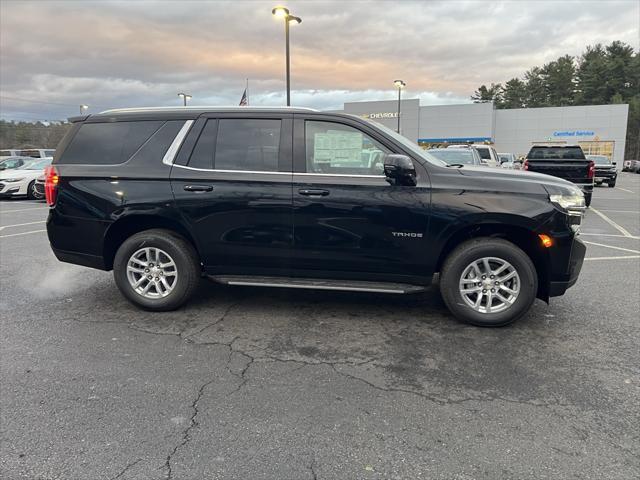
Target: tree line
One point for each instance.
(601, 75)
(23, 135)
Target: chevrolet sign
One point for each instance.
(381, 115)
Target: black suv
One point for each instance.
(285, 197)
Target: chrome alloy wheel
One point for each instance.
(489, 285)
(152, 273)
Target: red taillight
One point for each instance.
(525, 165)
(592, 169)
(51, 180)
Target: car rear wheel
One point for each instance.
(488, 282)
(156, 270)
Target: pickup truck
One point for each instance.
(563, 161)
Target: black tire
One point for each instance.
(587, 198)
(31, 193)
(612, 184)
(478, 248)
(184, 257)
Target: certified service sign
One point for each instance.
(574, 133)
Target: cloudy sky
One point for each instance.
(56, 55)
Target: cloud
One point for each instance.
(109, 54)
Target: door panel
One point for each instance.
(354, 224)
(241, 219)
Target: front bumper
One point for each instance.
(558, 287)
(605, 175)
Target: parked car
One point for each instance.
(457, 156)
(21, 181)
(509, 160)
(9, 153)
(488, 154)
(631, 165)
(275, 197)
(563, 161)
(9, 163)
(605, 170)
(30, 152)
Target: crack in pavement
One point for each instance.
(127, 467)
(314, 475)
(186, 437)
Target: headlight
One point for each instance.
(573, 201)
(11, 180)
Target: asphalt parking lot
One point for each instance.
(249, 383)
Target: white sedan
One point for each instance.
(22, 181)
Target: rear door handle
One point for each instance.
(313, 192)
(198, 188)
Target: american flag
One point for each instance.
(244, 101)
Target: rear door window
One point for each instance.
(556, 153)
(108, 143)
(247, 144)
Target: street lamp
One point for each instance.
(282, 12)
(400, 84)
(83, 108)
(184, 97)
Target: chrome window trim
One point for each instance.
(296, 174)
(170, 155)
(337, 175)
(213, 170)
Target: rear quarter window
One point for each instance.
(108, 143)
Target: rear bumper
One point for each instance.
(559, 287)
(83, 259)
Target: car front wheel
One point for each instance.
(156, 270)
(488, 282)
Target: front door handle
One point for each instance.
(313, 192)
(198, 188)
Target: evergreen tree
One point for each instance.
(559, 81)
(491, 94)
(536, 94)
(514, 94)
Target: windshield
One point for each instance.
(450, 155)
(409, 144)
(599, 159)
(37, 165)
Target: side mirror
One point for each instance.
(399, 170)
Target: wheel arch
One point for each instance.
(129, 225)
(523, 237)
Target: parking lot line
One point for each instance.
(590, 234)
(624, 190)
(625, 257)
(619, 211)
(611, 246)
(23, 233)
(20, 224)
(22, 210)
(612, 223)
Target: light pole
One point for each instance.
(184, 97)
(83, 108)
(400, 84)
(282, 12)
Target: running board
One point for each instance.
(318, 284)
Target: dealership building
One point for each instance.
(599, 129)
